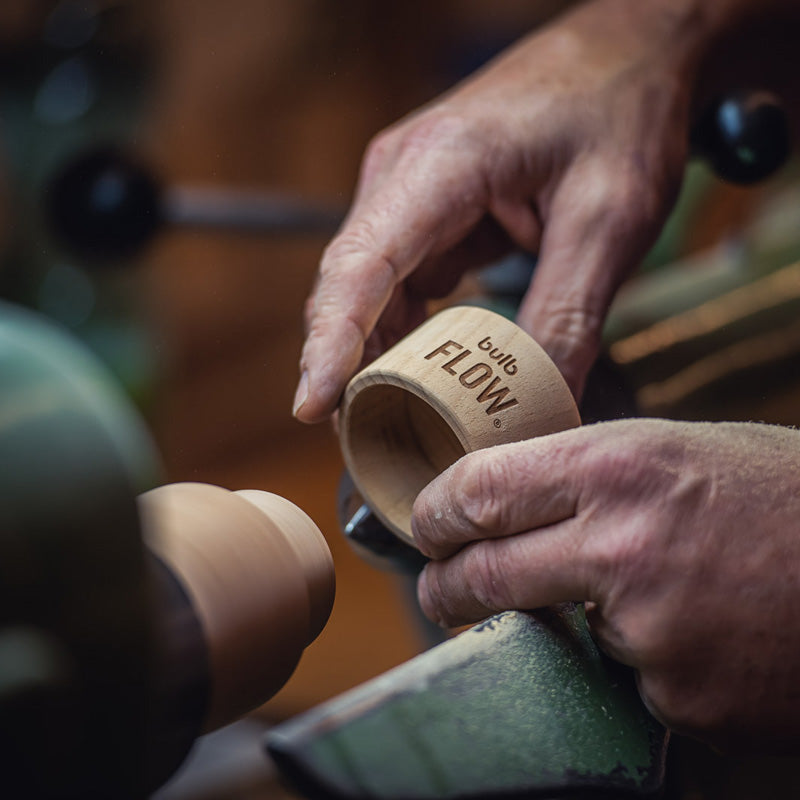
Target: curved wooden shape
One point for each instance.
(466, 379)
(259, 575)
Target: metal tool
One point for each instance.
(106, 205)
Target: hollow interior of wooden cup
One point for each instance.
(398, 443)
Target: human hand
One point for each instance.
(572, 145)
(682, 538)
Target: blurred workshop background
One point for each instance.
(271, 104)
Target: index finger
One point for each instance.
(604, 217)
(428, 202)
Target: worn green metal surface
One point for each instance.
(521, 705)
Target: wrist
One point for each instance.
(739, 44)
(717, 46)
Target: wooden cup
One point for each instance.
(466, 379)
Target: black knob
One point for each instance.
(103, 206)
(369, 537)
(744, 137)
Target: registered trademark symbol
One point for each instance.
(498, 424)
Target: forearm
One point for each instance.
(755, 47)
(731, 45)
(712, 46)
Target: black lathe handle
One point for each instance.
(744, 137)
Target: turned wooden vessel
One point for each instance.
(467, 378)
(259, 576)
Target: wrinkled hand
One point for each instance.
(683, 538)
(571, 145)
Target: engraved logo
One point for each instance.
(475, 375)
(507, 361)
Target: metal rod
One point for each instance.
(247, 211)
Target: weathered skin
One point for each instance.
(572, 144)
(682, 537)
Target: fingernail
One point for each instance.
(425, 600)
(423, 593)
(301, 395)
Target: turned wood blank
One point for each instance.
(259, 575)
(466, 379)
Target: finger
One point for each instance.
(520, 220)
(525, 571)
(501, 491)
(599, 225)
(609, 635)
(433, 199)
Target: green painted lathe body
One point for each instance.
(75, 636)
